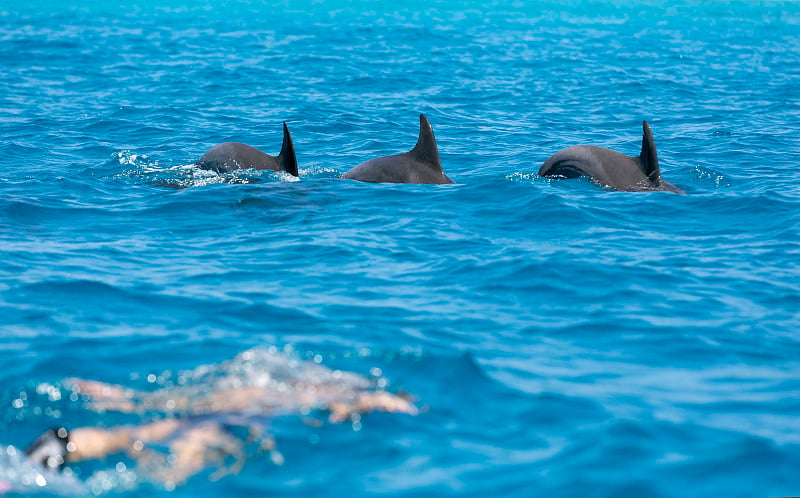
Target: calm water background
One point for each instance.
(566, 340)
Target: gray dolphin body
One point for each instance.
(234, 155)
(420, 165)
(612, 169)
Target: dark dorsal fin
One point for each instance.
(648, 156)
(286, 159)
(426, 150)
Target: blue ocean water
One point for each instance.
(562, 340)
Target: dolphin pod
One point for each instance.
(229, 156)
(422, 165)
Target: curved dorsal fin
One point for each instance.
(648, 156)
(286, 159)
(426, 150)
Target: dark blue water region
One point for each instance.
(559, 338)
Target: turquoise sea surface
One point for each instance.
(560, 339)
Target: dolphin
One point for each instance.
(420, 165)
(234, 155)
(612, 169)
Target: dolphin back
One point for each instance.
(229, 156)
(419, 165)
(610, 168)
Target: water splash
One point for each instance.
(710, 175)
(20, 475)
(181, 176)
